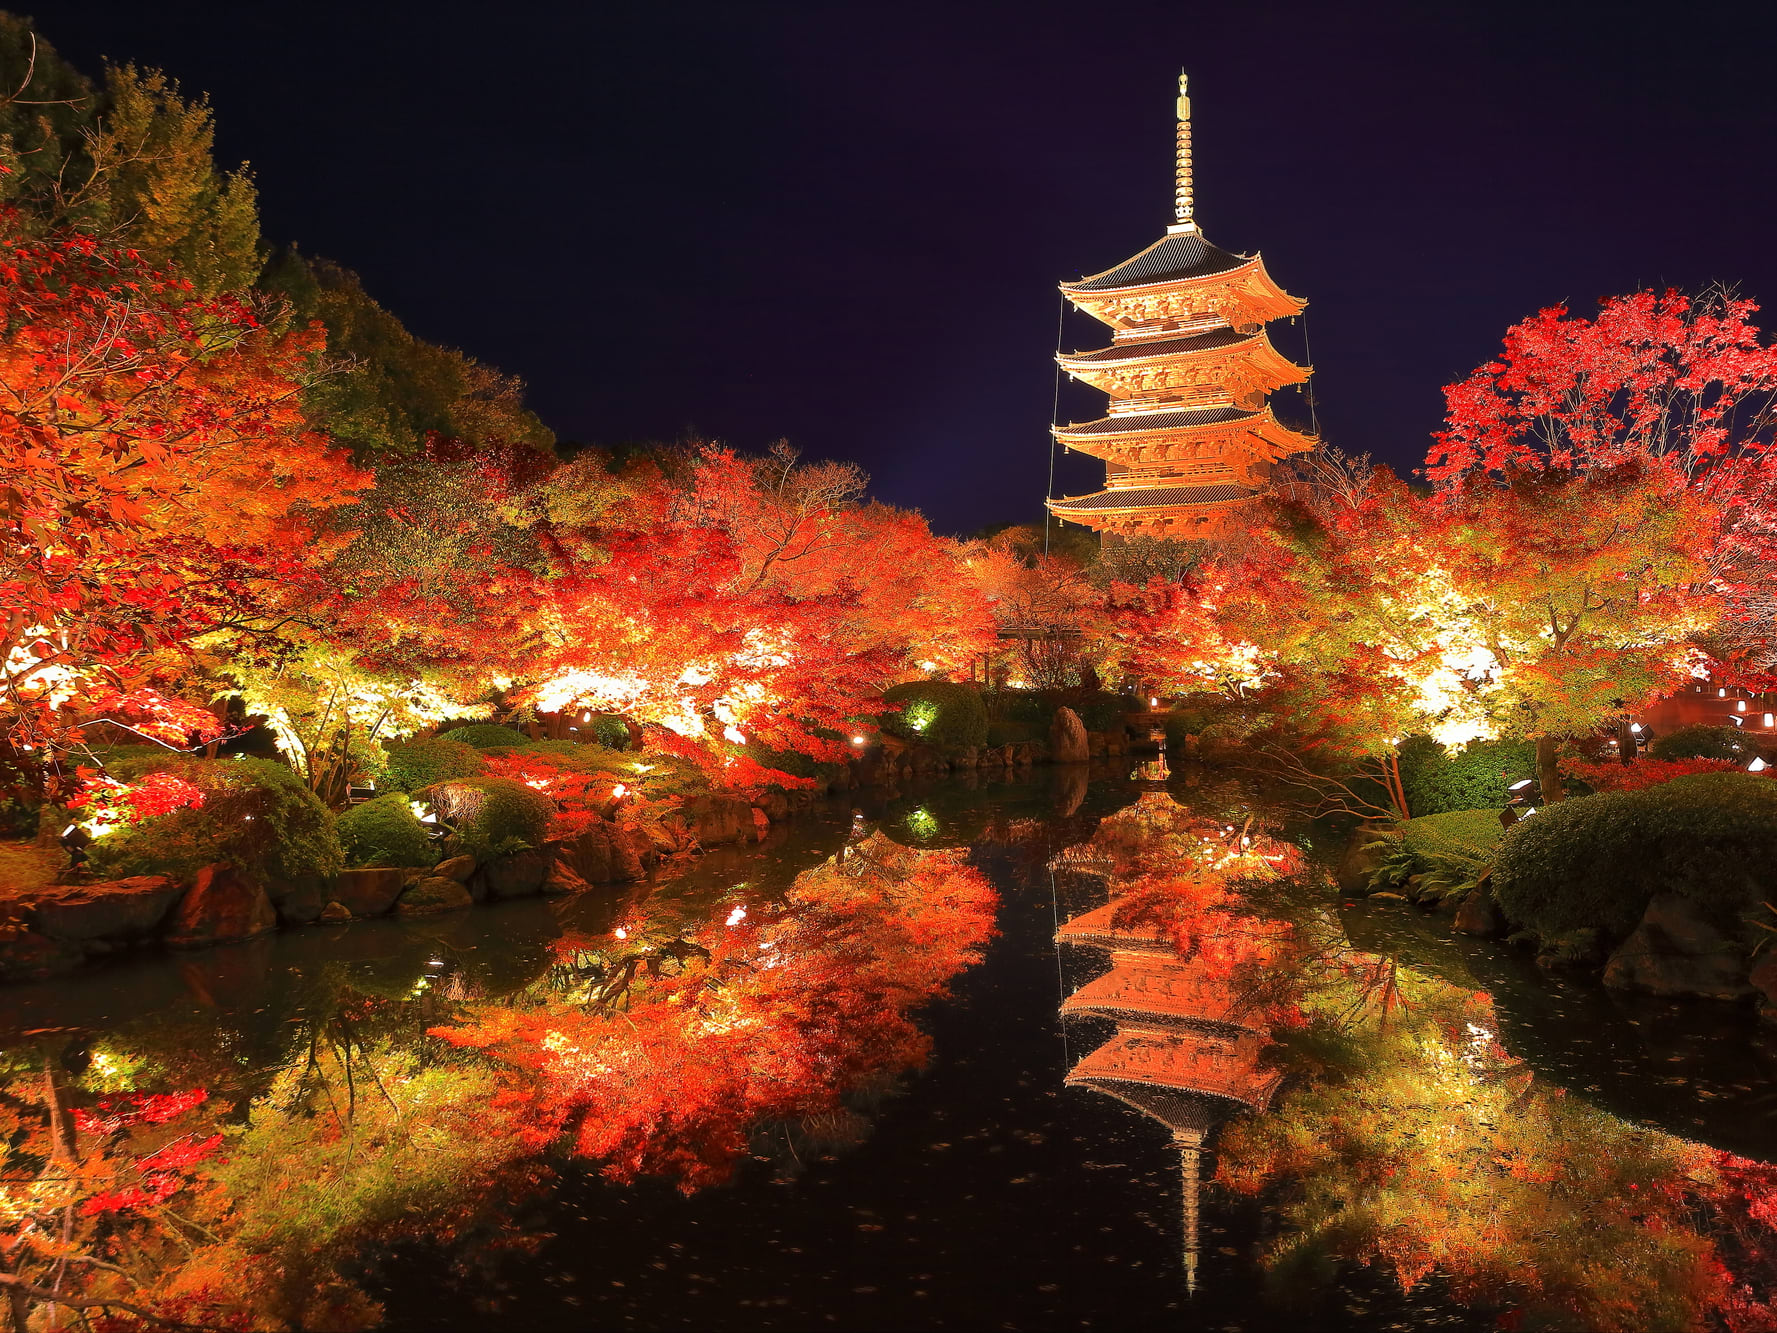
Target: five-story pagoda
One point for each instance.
(1188, 435)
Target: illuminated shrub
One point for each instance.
(415, 764)
(1700, 743)
(491, 816)
(1102, 710)
(485, 736)
(256, 814)
(578, 758)
(939, 713)
(384, 832)
(1468, 835)
(1595, 861)
(1439, 780)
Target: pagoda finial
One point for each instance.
(1182, 206)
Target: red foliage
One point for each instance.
(1609, 775)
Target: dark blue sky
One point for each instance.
(843, 223)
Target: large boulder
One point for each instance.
(562, 879)
(27, 956)
(1364, 851)
(120, 909)
(458, 868)
(221, 906)
(369, 892)
(516, 876)
(299, 901)
(1480, 915)
(433, 894)
(1677, 950)
(719, 817)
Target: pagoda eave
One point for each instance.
(1128, 440)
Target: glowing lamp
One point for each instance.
(1528, 813)
(1740, 707)
(619, 790)
(1757, 766)
(1771, 719)
(1736, 719)
(857, 740)
(1721, 694)
(1635, 727)
(1521, 785)
(621, 933)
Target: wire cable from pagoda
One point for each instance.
(1308, 388)
(1054, 415)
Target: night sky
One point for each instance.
(843, 224)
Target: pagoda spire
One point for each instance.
(1183, 206)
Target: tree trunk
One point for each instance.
(1548, 776)
(1626, 743)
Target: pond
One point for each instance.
(979, 1191)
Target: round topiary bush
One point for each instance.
(415, 764)
(1472, 778)
(256, 815)
(940, 713)
(384, 832)
(1701, 742)
(1595, 861)
(580, 758)
(485, 736)
(491, 816)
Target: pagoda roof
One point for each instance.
(1147, 348)
(1166, 991)
(1151, 497)
(1142, 423)
(1184, 254)
(1095, 928)
(1184, 1060)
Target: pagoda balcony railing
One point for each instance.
(1170, 400)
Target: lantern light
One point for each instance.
(1740, 707)
(857, 740)
(1521, 785)
(1757, 766)
(1635, 727)
(1721, 694)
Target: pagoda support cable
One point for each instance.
(1308, 385)
(1054, 421)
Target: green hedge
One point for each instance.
(1467, 835)
(1439, 780)
(940, 713)
(385, 832)
(1012, 733)
(492, 816)
(415, 764)
(1595, 861)
(1701, 742)
(485, 735)
(257, 815)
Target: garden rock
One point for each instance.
(1360, 859)
(221, 906)
(1677, 951)
(516, 876)
(773, 802)
(563, 879)
(435, 893)
(335, 914)
(27, 956)
(1480, 915)
(1764, 981)
(121, 909)
(458, 868)
(718, 818)
(300, 902)
(369, 892)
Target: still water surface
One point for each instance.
(978, 1194)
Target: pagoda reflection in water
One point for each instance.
(1186, 1050)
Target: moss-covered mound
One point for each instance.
(491, 816)
(1594, 862)
(485, 736)
(256, 815)
(940, 713)
(1701, 743)
(384, 832)
(416, 764)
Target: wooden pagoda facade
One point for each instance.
(1188, 436)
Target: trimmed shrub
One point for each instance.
(940, 713)
(1011, 733)
(485, 735)
(1022, 708)
(608, 731)
(1701, 742)
(1595, 861)
(257, 815)
(580, 758)
(384, 832)
(1438, 781)
(1101, 711)
(415, 764)
(492, 816)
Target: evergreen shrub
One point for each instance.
(420, 763)
(1011, 733)
(579, 758)
(1438, 780)
(257, 815)
(1595, 861)
(1466, 835)
(940, 713)
(485, 735)
(491, 816)
(1701, 742)
(384, 831)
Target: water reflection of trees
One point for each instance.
(1405, 1136)
(173, 1174)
